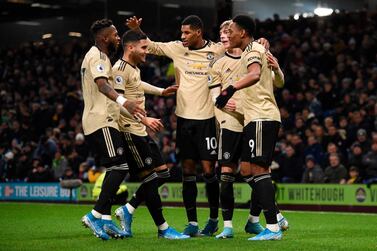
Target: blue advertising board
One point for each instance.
(35, 191)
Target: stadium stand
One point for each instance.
(328, 105)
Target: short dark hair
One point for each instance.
(194, 21)
(246, 23)
(132, 36)
(99, 25)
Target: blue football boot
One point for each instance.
(226, 233)
(191, 230)
(171, 234)
(125, 219)
(253, 228)
(112, 229)
(96, 225)
(267, 235)
(210, 228)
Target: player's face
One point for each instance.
(139, 51)
(234, 36)
(224, 36)
(189, 36)
(113, 39)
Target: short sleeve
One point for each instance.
(214, 76)
(252, 57)
(100, 67)
(120, 79)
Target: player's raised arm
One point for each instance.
(278, 75)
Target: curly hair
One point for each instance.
(98, 25)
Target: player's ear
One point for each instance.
(243, 33)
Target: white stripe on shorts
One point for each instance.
(109, 145)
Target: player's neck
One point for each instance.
(200, 44)
(127, 57)
(236, 52)
(245, 42)
(102, 47)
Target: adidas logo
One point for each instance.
(228, 70)
(213, 152)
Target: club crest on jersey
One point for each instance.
(119, 80)
(148, 161)
(209, 78)
(120, 150)
(226, 155)
(210, 56)
(100, 68)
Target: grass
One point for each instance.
(34, 226)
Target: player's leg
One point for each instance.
(160, 168)
(109, 146)
(207, 146)
(138, 148)
(259, 142)
(229, 154)
(187, 153)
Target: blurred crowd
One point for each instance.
(328, 105)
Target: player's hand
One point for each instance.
(224, 96)
(134, 108)
(154, 124)
(230, 106)
(272, 62)
(264, 42)
(133, 23)
(170, 90)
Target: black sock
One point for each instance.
(213, 194)
(266, 196)
(189, 193)
(227, 195)
(277, 208)
(110, 186)
(138, 197)
(163, 176)
(255, 208)
(152, 198)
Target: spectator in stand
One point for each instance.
(314, 149)
(291, 166)
(355, 158)
(363, 140)
(40, 173)
(354, 177)
(370, 162)
(335, 172)
(59, 164)
(313, 173)
(46, 150)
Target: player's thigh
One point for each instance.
(230, 146)
(107, 143)
(186, 148)
(158, 160)
(259, 139)
(206, 140)
(139, 153)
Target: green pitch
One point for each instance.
(30, 226)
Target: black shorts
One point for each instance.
(196, 139)
(107, 144)
(142, 152)
(230, 147)
(259, 139)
